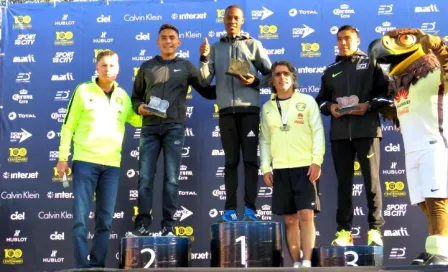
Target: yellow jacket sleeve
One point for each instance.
(132, 118)
(265, 144)
(317, 129)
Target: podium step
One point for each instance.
(246, 244)
(155, 252)
(328, 256)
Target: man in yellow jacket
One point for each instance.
(292, 140)
(95, 120)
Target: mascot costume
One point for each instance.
(419, 86)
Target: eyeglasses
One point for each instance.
(283, 73)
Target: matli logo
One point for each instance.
(385, 9)
(385, 27)
(358, 211)
(24, 59)
(395, 210)
(397, 232)
(20, 136)
(184, 173)
(218, 152)
(17, 216)
(141, 17)
(64, 38)
(103, 38)
(220, 192)
(103, 19)
(63, 57)
(216, 132)
(143, 36)
(302, 32)
(63, 96)
(16, 238)
(64, 21)
(293, 12)
(63, 77)
(54, 215)
(25, 39)
(22, 22)
(189, 132)
(397, 253)
(344, 11)
(53, 258)
(131, 173)
(261, 14)
(425, 9)
(141, 56)
(55, 236)
(23, 77)
(20, 175)
(189, 16)
(183, 214)
(190, 35)
(220, 172)
(265, 213)
(357, 189)
(265, 191)
(59, 115)
(17, 155)
(429, 27)
(17, 195)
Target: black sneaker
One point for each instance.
(168, 231)
(437, 260)
(421, 258)
(142, 230)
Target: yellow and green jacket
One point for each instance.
(96, 124)
(301, 145)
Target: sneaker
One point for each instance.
(138, 231)
(297, 265)
(374, 238)
(249, 214)
(343, 238)
(168, 231)
(421, 258)
(229, 216)
(436, 260)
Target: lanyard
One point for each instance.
(284, 117)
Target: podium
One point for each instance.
(246, 244)
(155, 252)
(327, 256)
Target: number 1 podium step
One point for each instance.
(155, 252)
(328, 256)
(246, 244)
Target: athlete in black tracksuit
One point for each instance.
(352, 135)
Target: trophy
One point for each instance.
(347, 103)
(238, 67)
(157, 106)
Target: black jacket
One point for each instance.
(169, 82)
(354, 75)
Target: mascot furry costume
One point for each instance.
(419, 87)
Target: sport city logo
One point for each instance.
(63, 57)
(357, 189)
(395, 210)
(25, 39)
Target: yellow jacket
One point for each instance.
(304, 142)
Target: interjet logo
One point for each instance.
(189, 16)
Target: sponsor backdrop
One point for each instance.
(45, 57)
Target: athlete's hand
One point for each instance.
(268, 179)
(362, 109)
(205, 48)
(62, 167)
(333, 109)
(314, 172)
(247, 79)
(142, 111)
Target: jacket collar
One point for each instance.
(274, 95)
(159, 59)
(353, 57)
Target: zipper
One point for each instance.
(167, 74)
(348, 89)
(232, 55)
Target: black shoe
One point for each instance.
(437, 260)
(168, 231)
(142, 230)
(421, 258)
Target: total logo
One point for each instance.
(395, 210)
(183, 54)
(16, 238)
(54, 215)
(265, 213)
(63, 57)
(218, 152)
(17, 216)
(189, 16)
(22, 22)
(141, 56)
(182, 214)
(310, 50)
(216, 132)
(385, 9)
(397, 253)
(265, 192)
(393, 170)
(25, 39)
(302, 32)
(385, 27)
(394, 189)
(57, 236)
(268, 32)
(62, 96)
(214, 212)
(131, 173)
(310, 70)
(220, 193)
(59, 115)
(392, 148)
(141, 18)
(64, 38)
(23, 77)
(52, 134)
(60, 195)
(334, 30)
(344, 11)
(357, 189)
(103, 38)
(397, 232)
(103, 19)
(24, 59)
(53, 258)
(356, 232)
(293, 12)
(426, 9)
(187, 193)
(20, 175)
(64, 22)
(17, 195)
(56, 177)
(17, 155)
(261, 14)
(184, 173)
(190, 35)
(13, 256)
